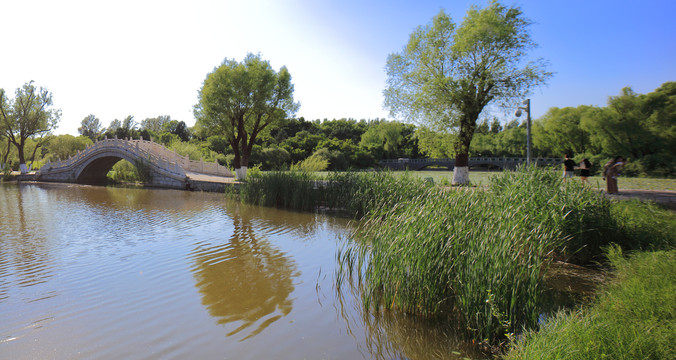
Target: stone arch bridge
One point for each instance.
(160, 166)
(502, 163)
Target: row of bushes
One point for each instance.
(479, 254)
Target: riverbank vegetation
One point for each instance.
(634, 316)
(343, 144)
(478, 255)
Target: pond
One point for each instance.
(110, 273)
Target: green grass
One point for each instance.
(633, 318)
(482, 178)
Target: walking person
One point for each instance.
(610, 172)
(585, 170)
(568, 168)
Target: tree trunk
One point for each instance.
(22, 158)
(37, 146)
(461, 168)
(244, 163)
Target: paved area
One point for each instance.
(664, 197)
(210, 178)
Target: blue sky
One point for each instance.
(149, 58)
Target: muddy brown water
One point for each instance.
(113, 273)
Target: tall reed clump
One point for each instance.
(358, 194)
(478, 253)
(583, 216)
(351, 194)
(296, 190)
(634, 317)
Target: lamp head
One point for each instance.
(517, 113)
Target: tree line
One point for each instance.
(641, 127)
(444, 80)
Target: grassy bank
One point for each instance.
(477, 254)
(483, 178)
(634, 317)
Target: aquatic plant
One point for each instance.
(478, 253)
(285, 189)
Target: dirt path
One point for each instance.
(664, 197)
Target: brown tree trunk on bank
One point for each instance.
(461, 168)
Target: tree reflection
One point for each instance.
(245, 280)
(26, 255)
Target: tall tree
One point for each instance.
(384, 139)
(446, 76)
(90, 127)
(178, 128)
(558, 132)
(239, 100)
(29, 115)
(155, 124)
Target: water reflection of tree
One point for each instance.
(26, 254)
(244, 280)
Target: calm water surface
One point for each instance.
(111, 273)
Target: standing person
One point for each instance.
(568, 168)
(610, 172)
(585, 167)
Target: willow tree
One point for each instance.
(447, 75)
(28, 115)
(239, 100)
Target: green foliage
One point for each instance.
(302, 145)
(559, 132)
(62, 147)
(28, 115)
(155, 124)
(435, 144)
(178, 128)
(633, 318)
(192, 150)
(272, 158)
(312, 164)
(239, 100)
(385, 139)
(446, 75)
(125, 172)
(6, 172)
(90, 127)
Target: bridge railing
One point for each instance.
(152, 152)
(473, 160)
(198, 166)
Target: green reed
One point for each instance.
(295, 190)
(478, 253)
(351, 193)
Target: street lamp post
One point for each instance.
(517, 113)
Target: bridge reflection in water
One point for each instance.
(502, 163)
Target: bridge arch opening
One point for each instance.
(104, 169)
